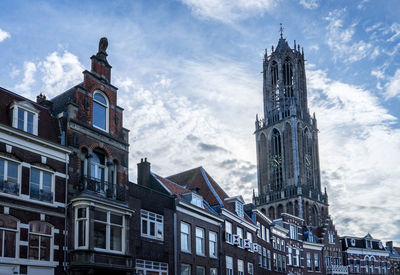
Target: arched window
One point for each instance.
(314, 216)
(274, 83)
(288, 78)
(308, 159)
(100, 111)
(8, 236)
(271, 212)
(276, 160)
(97, 167)
(280, 210)
(40, 241)
(263, 160)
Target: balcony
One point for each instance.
(337, 269)
(9, 187)
(82, 260)
(104, 189)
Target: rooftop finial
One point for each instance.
(281, 30)
(103, 44)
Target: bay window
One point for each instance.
(81, 227)
(40, 241)
(8, 236)
(9, 177)
(40, 185)
(152, 225)
(109, 231)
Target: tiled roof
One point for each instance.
(172, 186)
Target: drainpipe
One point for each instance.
(66, 216)
(220, 252)
(175, 239)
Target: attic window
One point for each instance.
(239, 209)
(197, 200)
(25, 117)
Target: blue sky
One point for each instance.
(190, 83)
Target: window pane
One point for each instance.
(100, 98)
(33, 247)
(34, 185)
(185, 269)
(1, 242)
(82, 233)
(100, 215)
(12, 173)
(29, 125)
(21, 114)
(81, 212)
(159, 230)
(9, 244)
(116, 238)
(152, 229)
(99, 115)
(47, 182)
(116, 219)
(200, 270)
(44, 248)
(213, 271)
(144, 226)
(1, 169)
(185, 228)
(100, 235)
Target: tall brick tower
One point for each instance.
(287, 141)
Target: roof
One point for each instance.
(172, 187)
(208, 188)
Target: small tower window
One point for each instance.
(276, 160)
(288, 78)
(100, 111)
(274, 83)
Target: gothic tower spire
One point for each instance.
(287, 140)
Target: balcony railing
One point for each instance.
(41, 195)
(337, 269)
(103, 188)
(9, 187)
(290, 192)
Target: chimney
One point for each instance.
(143, 174)
(41, 99)
(100, 64)
(389, 244)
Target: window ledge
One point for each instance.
(23, 197)
(152, 238)
(186, 252)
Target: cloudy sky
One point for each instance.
(189, 80)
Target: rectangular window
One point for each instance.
(40, 186)
(200, 270)
(264, 255)
(239, 209)
(9, 177)
(8, 237)
(229, 265)
(228, 232)
(151, 268)
(263, 232)
(25, 120)
(250, 268)
(275, 262)
(259, 230)
(293, 232)
(185, 269)
(185, 237)
(309, 266)
(267, 235)
(213, 244)
(199, 241)
(284, 263)
(81, 227)
(152, 225)
(240, 265)
(331, 237)
(269, 259)
(297, 257)
(239, 232)
(316, 262)
(213, 271)
(108, 230)
(40, 241)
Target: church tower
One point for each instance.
(287, 141)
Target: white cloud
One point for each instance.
(340, 40)
(359, 149)
(309, 4)
(29, 78)
(4, 35)
(394, 28)
(60, 72)
(228, 11)
(393, 85)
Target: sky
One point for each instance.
(189, 79)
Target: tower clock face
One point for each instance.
(276, 160)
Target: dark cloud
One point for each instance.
(192, 138)
(211, 147)
(228, 163)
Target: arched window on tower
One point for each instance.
(274, 83)
(288, 78)
(314, 216)
(276, 160)
(263, 161)
(308, 159)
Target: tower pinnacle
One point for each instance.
(281, 30)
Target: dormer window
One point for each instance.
(239, 208)
(100, 111)
(25, 117)
(197, 200)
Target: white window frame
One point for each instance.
(108, 231)
(239, 209)
(290, 256)
(228, 232)
(200, 236)
(202, 268)
(45, 235)
(213, 244)
(158, 224)
(250, 268)
(144, 266)
(26, 107)
(316, 262)
(41, 170)
(239, 231)
(107, 106)
(5, 173)
(240, 267)
(76, 229)
(331, 238)
(267, 239)
(17, 237)
(263, 232)
(259, 233)
(293, 232)
(229, 265)
(188, 236)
